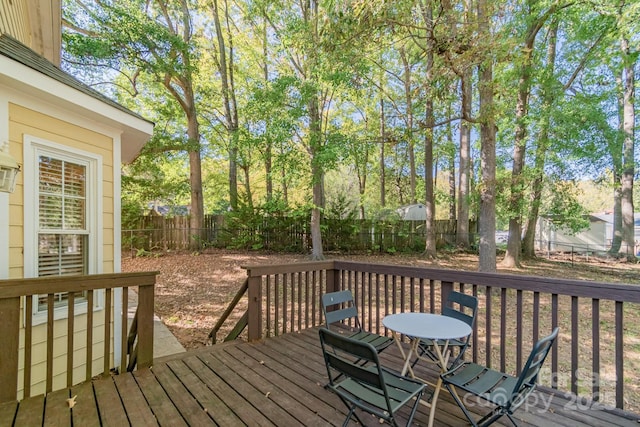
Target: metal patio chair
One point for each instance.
(345, 310)
(459, 306)
(506, 392)
(369, 387)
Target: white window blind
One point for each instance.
(63, 234)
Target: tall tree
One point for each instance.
(535, 22)
(153, 37)
(487, 219)
(223, 56)
(628, 152)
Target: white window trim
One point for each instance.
(33, 148)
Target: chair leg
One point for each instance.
(352, 413)
(466, 412)
(414, 409)
(492, 417)
(512, 419)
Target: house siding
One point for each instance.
(27, 121)
(14, 20)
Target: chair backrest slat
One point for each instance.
(529, 374)
(340, 315)
(457, 302)
(343, 354)
(338, 307)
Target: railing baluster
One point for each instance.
(276, 296)
(28, 343)
(574, 344)
(475, 330)
(619, 356)
(503, 330)
(519, 327)
(268, 308)
(49, 379)
(306, 299)
(124, 332)
(386, 296)
(89, 344)
(595, 347)
(285, 302)
(107, 331)
(370, 301)
(554, 349)
(432, 295)
(412, 293)
(488, 326)
(536, 317)
(71, 304)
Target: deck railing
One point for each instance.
(16, 320)
(597, 356)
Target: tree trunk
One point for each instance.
(487, 219)
(225, 68)
(382, 142)
(452, 175)
(518, 185)
(317, 173)
(429, 202)
(196, 219)
(628, 165)
(268, 151)
(409, 132)
(548, 95)
(616, 238)
(617, 161)
(464, 169)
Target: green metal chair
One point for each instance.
(507, 393)
(344, 309)
(459, 306)
(369, 387)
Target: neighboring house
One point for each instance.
(416, 212)
(597, 238)
(169, 210)
(70, 140)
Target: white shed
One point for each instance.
(416, 212)
(597, 238)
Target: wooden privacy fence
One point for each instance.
(288, 234)
(596, 355)
(136, 344)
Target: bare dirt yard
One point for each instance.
(193, 290)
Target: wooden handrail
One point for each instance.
(13, 290)
(227, 312)
(514, 311)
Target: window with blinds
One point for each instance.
(62, 230)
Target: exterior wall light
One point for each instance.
(9, 169)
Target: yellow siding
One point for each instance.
(14, 20)
(26, 121)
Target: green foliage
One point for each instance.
(564, 209)
(345, 58)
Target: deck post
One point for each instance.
(333, 280)
(145, 326)
(447, 287)
(254, 309)
(10, 333)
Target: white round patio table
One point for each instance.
(418, 326)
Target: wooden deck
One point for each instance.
(276, 382)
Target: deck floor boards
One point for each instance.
(275, 382)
